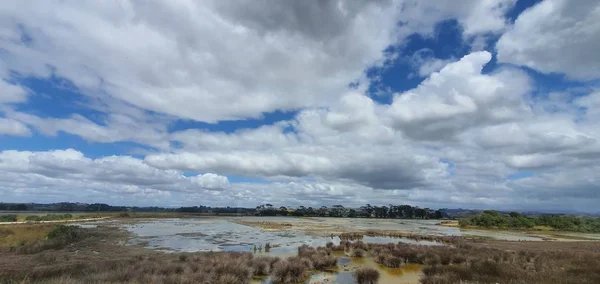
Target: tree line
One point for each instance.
(367, 211)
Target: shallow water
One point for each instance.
(191, 235)
(211, 234)
(408, 274)
(422, 227)
(223, 234)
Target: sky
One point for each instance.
(442, 104)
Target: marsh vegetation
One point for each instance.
(51, 253)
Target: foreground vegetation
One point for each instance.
(493, 219)
(69, 254)
(48, 253)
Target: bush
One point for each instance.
(48, 217)
(8, 218)
(261, 266)
(290, 271)
(366, 276)
(124, 215)
(358, 252)
(392, 262)
(322, 261)
(67, 233)
(33, 218)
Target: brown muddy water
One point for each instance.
(407, 274)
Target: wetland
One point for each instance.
(290, 250)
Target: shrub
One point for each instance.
(360, 245)
(48, 217)
(392, 262)
(235, 267)
(322, 261)
(8, 218)
(290, 271)
(358, 252)
(458, 258)
(338, 248)
(67, 233)
(261, 266)
(306, 251)
(389, 260)
(33, 218)
(366, 276)
(229, 279)
(124, 215)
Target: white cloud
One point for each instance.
(476, 17)
(459, 97)
(424, 61)
(216, 61)
(116, 128)
(13, 127)
(556, 36)
(432, 65)
(11, 93)
(591, 103)
(354, 152)
(486, 17)
(70, 171)
(455, 140)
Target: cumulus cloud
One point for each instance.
(219, 60)
(476, 17)
(208, 62)
(70, 171)
(462, 137)
(458, 97)
(13, 127)
(425, 62)
(397, 171)
(555, 36)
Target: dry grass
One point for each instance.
(477, 262)
(366, 276)
(449, 224)
(22, 234)
(290, 271)
(358, 252)
(265, 225)
(97, 256)
(469, 260)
